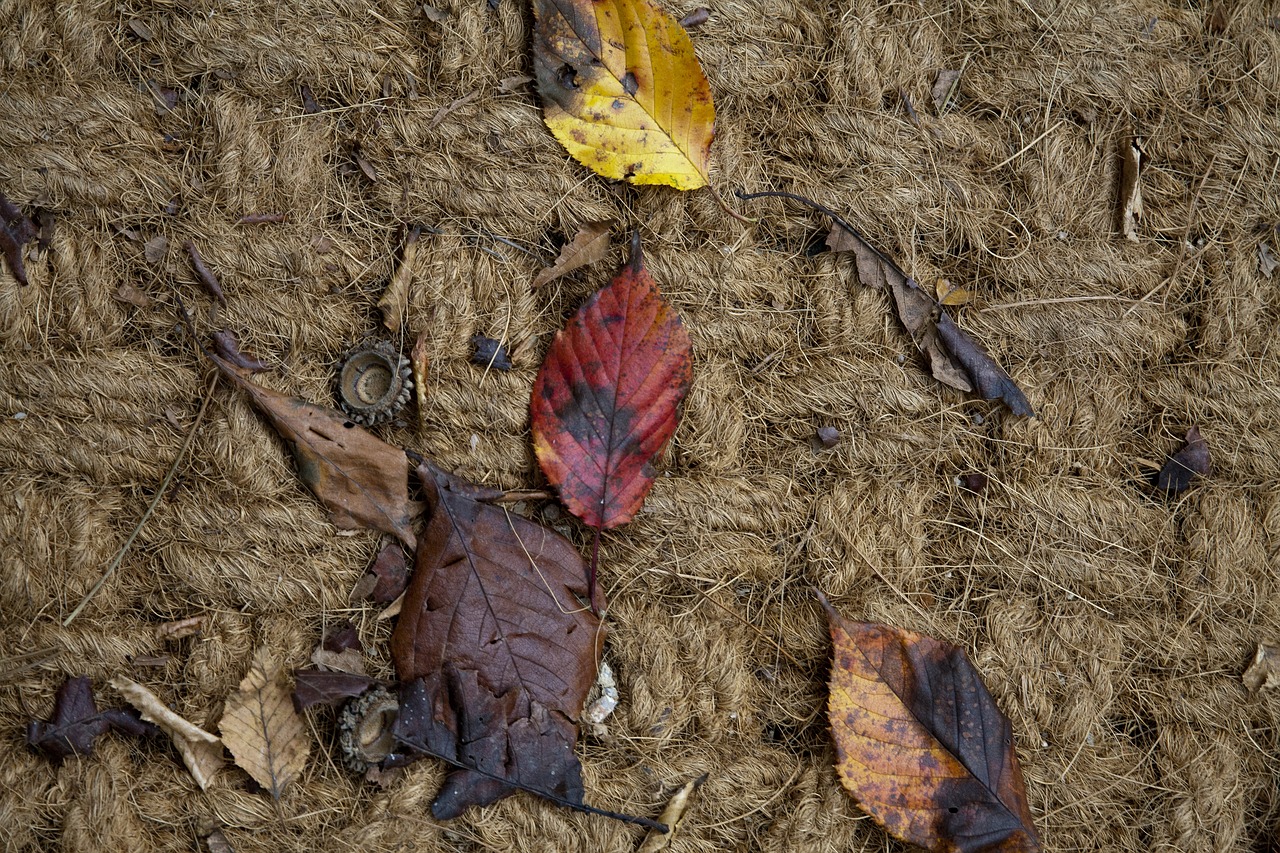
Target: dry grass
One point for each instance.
(1112, 626)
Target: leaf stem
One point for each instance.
(746, 220)
(591, 572)
(835, 217)
(155, 501)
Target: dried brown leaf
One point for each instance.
(133, 295)
(317, 687)
(395, 299)
(696, 18)
(181, 628)
(262, 730)
(1131, 188)
(155, 249)
(200, 750)
(589, 245)
(362, 480)
(434, 15)
(1183, 466)
(1264, 672)
(672, 816)
(421, 363)
(226, 346)
(205, 275)
(350, 661)
(1267, 262)
(944, 87)
(511, 84)
(77, 722)
(217, 842)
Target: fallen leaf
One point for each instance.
(605, 400)
(1267, 262)
(955, 359)
(1181, 467)
(205, 275)
(589, 245)
(495, 649)
(181, 628)
(921, 744)
(11, 246)
(1131, 188)
(949, 294)
(672, 816)
(155, 249)
(217, 842)
(317, 687)
(165, 98)
(828, 437)
(362, 480)
(434, 15)
(77, 722)
(623, 91)
(226, 346)
(696, 18)
(309, 105)
(420, 363)
(975, 482)
(1264, 672)
(944, 88)
(362, 163)
(141, 30)
(48, 224)
(395, 299)
(133, 295)
(259, 726)
(340, 651)
(390, 573)
(262, 218)
(489, 353)
(510, 84)
(200, 750)
(452, 107)
(342, 637)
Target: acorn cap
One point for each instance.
(374, 383)
(364, 728)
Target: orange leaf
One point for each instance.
(605, 400)
(921, 744)
(623, 91)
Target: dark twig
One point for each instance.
(204, 274)
(835, 217)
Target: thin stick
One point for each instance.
(155, 501)
(1182, 246)
(1023, 150)
(746, 220)
(835, 217)
(1059, 301)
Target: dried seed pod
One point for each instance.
(374, 383)
(364, 728)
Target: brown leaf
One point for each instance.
(259, 726)
(366, 167)
(266, 218)
(921, 744)
(133, 295)
(589, 245)
(511, 84)
(205, 275)
(77, 722)
(1131, 188)
(11, 246)
(155, 249)
(1264, 672)
(696, 18)
(390, 572)
(421, 363)
(362, 480)
(672, 816)
(200, 750)
(495, 648)
(395, 299)
(452, 107)
(350, 661)
(141, 30)
(217, 842)
(944, 88)
(1190, 460)
(226, 346)
(955, 359)
(1267, 262)
(317, 687)
(434, 15)
(181, 628)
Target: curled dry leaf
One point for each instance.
(1264, 672)
(200, 750)
(1183, 466)
(262, 730)
(606, 398)
(316, 687)
(390, 574)
(395, 299)
(77, 722)
(1131, 188)
(1267, 262)
(944, 88)
(623, 91)
(495, 649)
(921, 744)
(181, 628)
(696, 18)
(488, 352)
(362, 480)
(133, 295)
(589, 245)
(672, 816)
(420, 363)
(224, 344)
(204, 275)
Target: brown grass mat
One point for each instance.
(1111, 625)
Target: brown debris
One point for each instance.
(1131, 188)
(696, 18)
(133, 295)
(1264, 672)
(155, 249)
(394, 303)
(1183, 466)
(200, 750)
(182, 628)
(204, 275)
(589, 245)
(944, 89)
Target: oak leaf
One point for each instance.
(623, 91)
(262, 729)
(362, 480)
(77, 722)
(920, 743)
(201, 751)
(589, 245)
(606, 398)
(495, 648)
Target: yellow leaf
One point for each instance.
(265, 735)
(200, 750)
(949, 294)
(623, 91)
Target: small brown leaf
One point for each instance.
(390, 572)
(265, 735)
(11, 246)
(366, 167)
(1264, 672)
(695, 19)
(317, 687)
(200, 750)
(350, 661)
(77, 722)
(511, 84)
(1131, 188)
(362, 480)
(309, 105)
(990, 378)
(155, 249)
(226, 346)
(589, 245)
(141, 30)
(434, 15)
(921, 744)
(452, 107)
(1183, 466)
(672, 816)
(828, 437)
(949, 294)
(1267, 262)
(133, 295)
(181, 628)
(944, 88)
(395, 299)
(205, 275)
(217, 842)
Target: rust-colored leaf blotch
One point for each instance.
(605, 401)
(921, 744)
(623, 91)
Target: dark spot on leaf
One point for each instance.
(567, 76)
(629, 83)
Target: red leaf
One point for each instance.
(604, 404)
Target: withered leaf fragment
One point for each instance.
(155, 249)
(390, 572)
(395, 299)
(133, 295)
(362, 480)
(606, 399)
(921, 744)
(1131, 188)
(1267, 262)
(180, 628)
(77, 722)
(622, 90)
(262, 730)
(203, 274)
(226, 346)
(955, 359)
(1183, 466)
(201, 751)
(944, 87)
(488, 352)
(496, 649)
(16, 230)
(672, 816)
(589, 245)
(1264, 672)
(696, 18)
(317, 687)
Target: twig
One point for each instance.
(155, 501)
(1015, 155)
(835, 217)
(746, 220)
(1182, 247)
